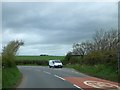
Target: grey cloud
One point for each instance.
(54, 18)
(55, 23)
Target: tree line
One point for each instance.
(101, 49)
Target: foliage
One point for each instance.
(36, 60)
(0, 78)
(68, 57)
(102, 49)
(102, 71)
(0, 61)
(39, 58)
(9, 52)
(10, 73)
(98, 56)
(10, 76)
(101, 57)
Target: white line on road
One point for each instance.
(59, 77)
(46, 72)
(77, 87)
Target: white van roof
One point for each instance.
(54, 60)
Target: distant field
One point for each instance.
(39, 57)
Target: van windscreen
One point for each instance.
(57, 61)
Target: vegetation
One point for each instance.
(0, 78)
(10, 77)
(10, 72)
(39, 57)
(0, 72)
(99, 70)
(101, 51)
(36, 60)
(9, 52)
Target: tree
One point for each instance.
(101, 49)
(83, 48)
(68, 57)
(9, 52)
(106, 40)
(79, 49)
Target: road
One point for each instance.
(45, 77)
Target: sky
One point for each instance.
(52, 27)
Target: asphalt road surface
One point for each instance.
(45, 77)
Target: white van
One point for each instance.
(55, 63)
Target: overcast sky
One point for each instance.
(52, 28)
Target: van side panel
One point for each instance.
(51, 63)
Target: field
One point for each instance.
(39, 57)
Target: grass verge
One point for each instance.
(10, 77)
(100, 71)
(0, 78)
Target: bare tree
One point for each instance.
(79, 49)
(102, 40)
(105, 40)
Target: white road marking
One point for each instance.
(46, 72)
(59, 77)
(98, 84)
(77, 86)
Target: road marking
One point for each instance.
(59, 77)
(98, 84)
(46, 72)
(77, 86)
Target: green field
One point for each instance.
(39, 57)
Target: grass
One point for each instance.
(0, 78)
(100, 71)
(10, 77)
(39, 57)
(0, 72)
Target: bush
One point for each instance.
(101, 57)
(72, 59)
(9, 52)
(10, 73)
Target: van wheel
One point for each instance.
(49, 66)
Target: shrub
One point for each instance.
(9, 52)
(101, 57)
